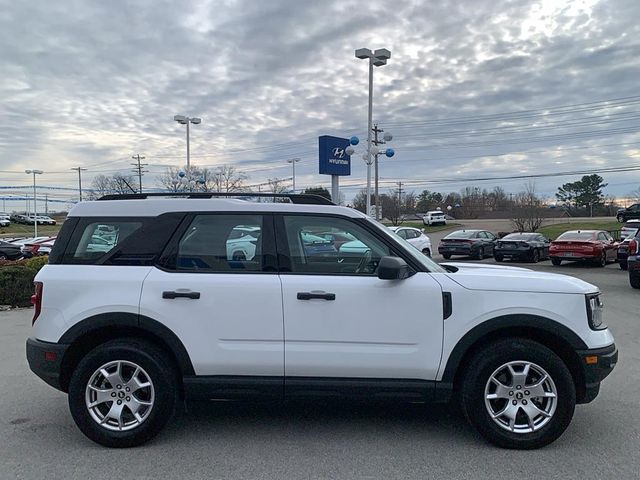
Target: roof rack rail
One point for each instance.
(305, 199)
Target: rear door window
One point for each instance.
(225, 243)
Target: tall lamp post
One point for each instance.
(293, 162)
(377, 58)
(181, 119)
(35, 208)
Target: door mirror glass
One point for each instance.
(393, 268)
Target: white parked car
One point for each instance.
(629, 228)
(167, 313)
(415, 237)
(435, 217)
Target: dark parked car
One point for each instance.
(628, 213)
(475, 243)
(592, 245)
(9, 251)
(633, 260)
(531, 247)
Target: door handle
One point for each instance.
(176, 294)
(316, 295)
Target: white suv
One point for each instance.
(165, 311)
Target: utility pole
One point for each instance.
(138, 168)
(46, 204)
(79, 170)
(376, 142)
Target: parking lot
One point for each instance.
(317, 440)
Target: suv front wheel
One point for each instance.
(518, 394)
(123, 392)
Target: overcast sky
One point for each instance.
(91, 83)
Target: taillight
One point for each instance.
(36, 300)
(633, 247)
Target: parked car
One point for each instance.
(633, 260)
(415, 237)
(337, 238)
(435, 217)
(5, 222)
(9, 251)
(475, 243)
(24, 241)
(41, 247)
(531, 247)
(623, 252)
(629, 229)
(166, 315)
(45, 220)
(628, 213)
(596, 246)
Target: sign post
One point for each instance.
(334, 161)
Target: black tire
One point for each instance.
(162, 373)
(634, 280)
(239, 256)
(446, 256)
(427, 252)
(3, 256)
(556, 261)
(602, 261)
(620, 218)
(623, 265)
(535, 256)
(479, 254)
(498, 258)
(491, 358)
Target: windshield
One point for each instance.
(462, 234)
(416, 254)
(519, 236)
(576, 236)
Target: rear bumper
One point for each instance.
(596, 364)
(455, 250)
(45, 360)
(574, 255)
(512, 252)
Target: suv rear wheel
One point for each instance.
(518, 394)
(123, 392)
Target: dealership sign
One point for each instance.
(333, 156)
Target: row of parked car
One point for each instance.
(25, 218)
(595, 246)
(17, 248)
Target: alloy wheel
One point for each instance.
(119, 395)
(520, 397)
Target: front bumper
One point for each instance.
(45, 360)
(596, 364)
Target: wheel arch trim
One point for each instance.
(128, 323)
(509, 325)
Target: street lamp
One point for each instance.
(293, 162)
(181, 119)
(377, 58)
(35, 208)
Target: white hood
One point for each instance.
(516, 279)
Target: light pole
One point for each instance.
(377, 58)
(186, 121)
(35, 208)
(293, 162)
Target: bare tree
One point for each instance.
(528, 211)
(194, 179)
(227, 179)
(116, 184)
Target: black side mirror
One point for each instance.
(393, 268)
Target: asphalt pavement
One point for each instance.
(38, 438)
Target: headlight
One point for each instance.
(594, 311)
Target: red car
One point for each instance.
(597, 246)
(41, 247)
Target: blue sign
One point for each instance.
(333, 156)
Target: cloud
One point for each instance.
(91, 83)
